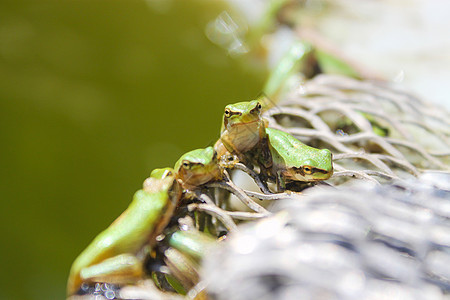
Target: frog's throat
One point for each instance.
(201, 176)
(245, 123)
(242, 138)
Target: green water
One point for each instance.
(93, 96)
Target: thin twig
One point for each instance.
(204, 198)
(239, 193)
(356, 174)
(217, 212)
(262, 186)
(244, 215)
(260, 196)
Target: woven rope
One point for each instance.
(360, 242)
(418, 136)
(331, 112)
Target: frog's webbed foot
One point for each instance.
(224, 157)
(228, 161)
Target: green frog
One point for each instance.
(197, 167)
(243, 135)
(294, 161)
(116, 254)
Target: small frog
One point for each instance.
(243, 130)
(295, 161)
(197, 167)
(116, 254)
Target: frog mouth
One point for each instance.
(318, 175)
(244, 123)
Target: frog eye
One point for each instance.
(308, 170)
(186, 164)
(227, 112)
(257, 108)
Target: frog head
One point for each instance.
(162, 173)
(242, 126)
(241, 113)
(161, 180)
(197, 167)
(316, 168)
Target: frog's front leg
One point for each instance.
(281, 182)
(263, 156)
(225, 158)
(120, 269)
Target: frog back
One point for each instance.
(289, 151)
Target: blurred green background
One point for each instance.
(93, 96)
